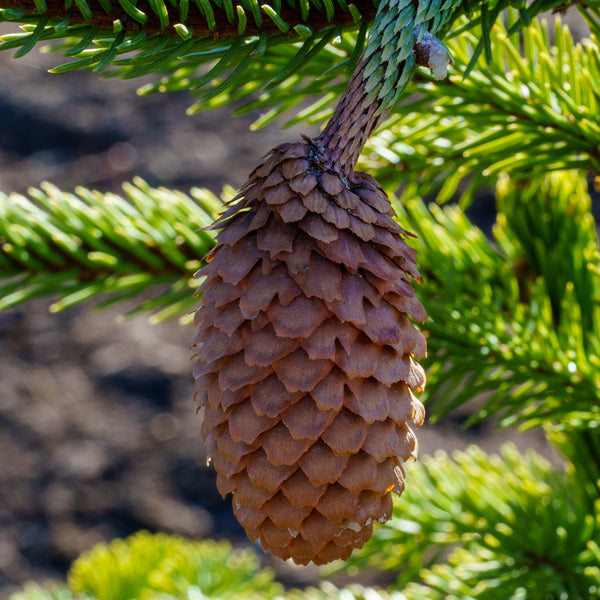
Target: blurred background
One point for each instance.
(99, 435)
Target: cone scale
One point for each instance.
(306, 349)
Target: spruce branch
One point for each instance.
(473, 525)
(216, 19)
(540, 102)
(168, 566)
(266, 56)
(511, 522)
(507, 325)
(90, 245)
(132, 40)
(217, 71)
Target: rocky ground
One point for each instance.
(98, 432)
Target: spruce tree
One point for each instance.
(306, 340)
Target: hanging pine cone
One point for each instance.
(306, 347)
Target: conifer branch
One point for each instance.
(217, 70)
(269, 56)
(90, 245)
(518, 326)
(210, 19)
(542, 102)
(498, 516)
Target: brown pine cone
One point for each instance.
(305, 355)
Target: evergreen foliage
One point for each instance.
(462, 132)
(512, 526)
(84, 245)
(258, 53)
(169, 567)
(519, 322)
(514, 320)
(270, 55)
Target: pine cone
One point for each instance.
(305, 356)
(305, 346)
